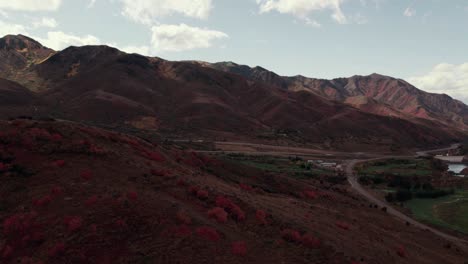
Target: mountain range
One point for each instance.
(220, 101)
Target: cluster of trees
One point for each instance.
(403, 195)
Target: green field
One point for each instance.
(417, 167)
(450, 211)
(279, 165)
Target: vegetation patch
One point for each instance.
(293, 165)
(450, 211)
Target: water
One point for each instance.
(457, 168)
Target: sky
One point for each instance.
(421, 41)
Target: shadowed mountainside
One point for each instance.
(103, 85)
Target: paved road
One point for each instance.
(353, 181)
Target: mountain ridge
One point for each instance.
(184, 99)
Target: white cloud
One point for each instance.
(303, 9)
(148, 11)
(59, 40)
(142, 50)
(409, 12)
(30, 5)
(3, 14)
(13, 29)
(45, 22)
(445, 78)
(182, 37)
(91, 3)
(313, 23)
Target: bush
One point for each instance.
(73, 223)
(183, 218)
(390, 197)
(86, 175)
(291, 235)
(310, 241)
(246, 187)
(44, 201)
(183, 231)
(239, 248)
(432, 194)
(261, 216)
(231, 207)
(202, 194)
(208, 233)
(132, 195)
(57, 249)
(91, 201)
(401, 251)
(310, 194)
(403, 195)
(219, 214)
(342, 225)
(58, 163)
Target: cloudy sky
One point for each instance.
(422, 41)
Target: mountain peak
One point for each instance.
(19, 42)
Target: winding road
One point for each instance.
(353, 181)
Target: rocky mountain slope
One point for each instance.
(17, 54)
(375, 93)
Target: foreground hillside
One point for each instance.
(76, 194)
(104, 86)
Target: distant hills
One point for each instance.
(221, 101)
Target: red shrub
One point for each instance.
(181, 182)
(86, 175)
(44, 201)
(132, 195)
(246, 187)
(202, 194)
(183, 231)
(193, 190)
(56, 191)
(183, 218)
(401, 251)
(342, 225)
(158, 172)
(310, 241)
(239, 248)
(19, 223)
(310, 194)
(4, 167)
(73, 223)
(57, 250)
(306, 240)
(95, 149)
(40, 133)
(154, 156)
(91, 201)
(93, 228)
(58, 163)
(261, 216)
(291, 235)
(208, 233)
(120, 223)
(56, 137)
(231, 207)
(219, 214)
(7, 252)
